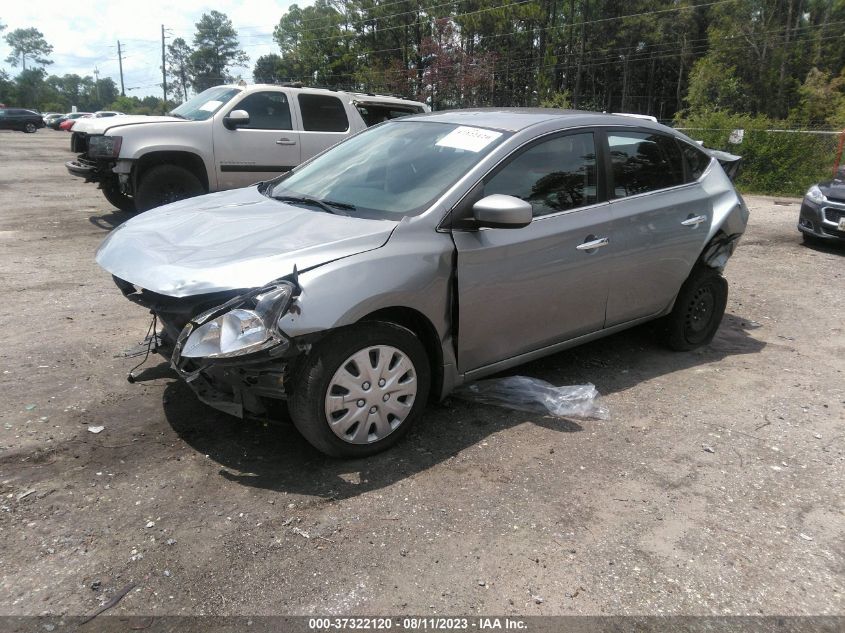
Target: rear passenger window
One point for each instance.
(555, 175)
(697, 161)
(375, 114)
(644, 162)
(322, 113)
(267, 111)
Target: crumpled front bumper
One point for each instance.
(242, 386)
(238, 391)
(82, 168)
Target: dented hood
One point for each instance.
(231, 240)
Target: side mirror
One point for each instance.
(499, 211)
(235, 119)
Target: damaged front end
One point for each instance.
(227, 346)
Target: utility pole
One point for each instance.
(97, 84)
(163, 71)
(120, 62)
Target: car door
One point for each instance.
(17, 119)
(324, 122)
(263, 148)
(523, 289)
(659, 222)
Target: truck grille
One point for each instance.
(833, 215)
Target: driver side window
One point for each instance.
(267, 111)
(554, 175)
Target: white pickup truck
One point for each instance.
(223, 138)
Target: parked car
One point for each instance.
(105, 114)
(67, 124)
(225, 137)
(822, 215)
(56, 123)
(20, 119)
(49, 118)
(427, 252)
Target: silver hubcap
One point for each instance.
(371, 394)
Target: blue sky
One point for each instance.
(84, 33)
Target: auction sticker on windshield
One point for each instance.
(472, 139)
(210, 106)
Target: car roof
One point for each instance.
(517, 119)
(328, 91)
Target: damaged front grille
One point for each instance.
(173, 312)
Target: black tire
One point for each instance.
(698, 310)
(164, 184)
(30, 128)
(112, 192)
(311, 382)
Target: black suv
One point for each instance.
(20, 119)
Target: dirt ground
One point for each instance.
(716, 488)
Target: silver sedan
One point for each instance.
(426, 252)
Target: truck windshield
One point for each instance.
(205, 104)
(392, 170)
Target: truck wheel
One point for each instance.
(164, 184)
(698, 310)
(112, 192)
(30, 128)
(360, 389)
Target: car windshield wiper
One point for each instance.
(341, 205)
(325, 206)
(178, 116)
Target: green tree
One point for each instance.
(178, 61)
(714, 86)
(312, 43)
(30, 87)
(822, 100)
(28, 44)
(215, 51)
(268, 69)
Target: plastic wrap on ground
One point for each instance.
(532, 394)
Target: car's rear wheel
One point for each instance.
(360, 389)
(698, 310)
(164, 184)
(112, 192)
(29, 127)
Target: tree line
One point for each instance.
(779, 59)
(657, 57)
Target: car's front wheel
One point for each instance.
(112, 192)
(30, 128)
(164, 184)
(698, 309)
(360, 389)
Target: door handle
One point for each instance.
(285, 141)
(694, 221)
(596, 243)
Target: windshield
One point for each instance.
(205, 104)
(390, 171)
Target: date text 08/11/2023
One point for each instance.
(416, 623)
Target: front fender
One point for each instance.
(414, 269)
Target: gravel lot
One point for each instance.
(480, 510)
